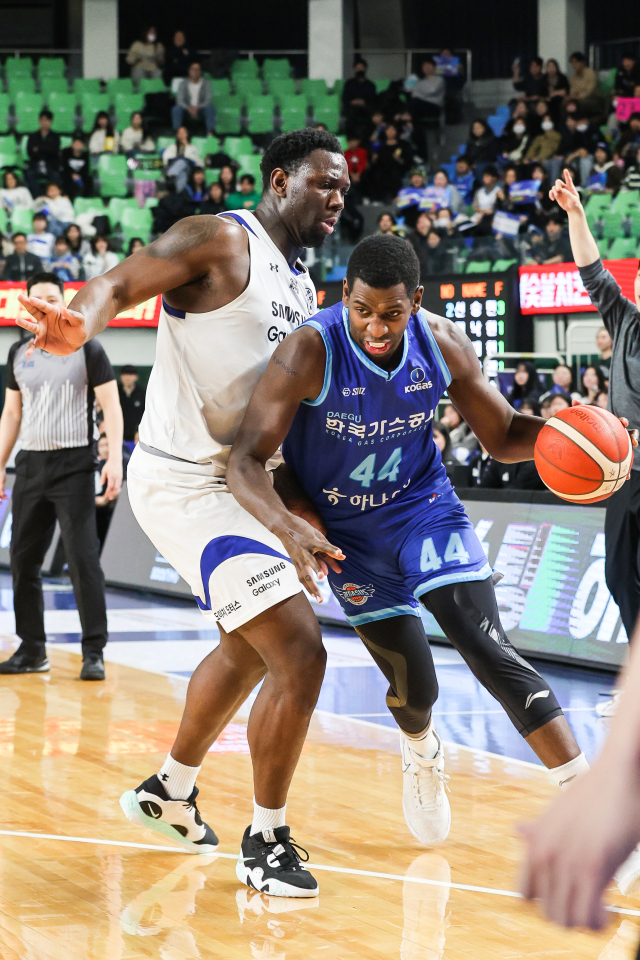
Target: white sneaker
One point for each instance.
(608, 707)
(424, 799)
(627, 875)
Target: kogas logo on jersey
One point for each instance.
(355, 593)
(273, 335)
(418, 381)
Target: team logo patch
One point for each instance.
(417, 375)
(309, 295)
(356, 594)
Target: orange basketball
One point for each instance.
(583, 454)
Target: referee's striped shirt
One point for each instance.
(58, 397)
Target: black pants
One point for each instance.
(468, 615)
(622, 542)
(56, 484)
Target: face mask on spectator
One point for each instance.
(582, 127)
(518, 129)
(547, 125)
(151, 36)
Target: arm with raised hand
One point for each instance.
(193, 249)
(584, 247)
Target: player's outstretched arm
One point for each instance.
(584, 247)
(574, 849)
(194, 248)
(295, 373)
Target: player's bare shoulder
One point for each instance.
(455, 346)
(204, 235)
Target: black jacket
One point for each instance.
(359, 90)
(46, 149)
(482, 149)
(18, 268)
(70, 165)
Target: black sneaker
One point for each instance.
(23, 661)
(269, 862)
(92, 667)
(151, 806)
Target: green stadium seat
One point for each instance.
(87, 205)
(163, 142)
(112, 171)
(337, 88)
(625, 201)
(276, 68)
(7, 160)
(4, 221)
(598, 202)
(63, 108)
(478, 266)
(606, 83)
(211, 175)
(501, 265)
(603, 248)
(250, 163)
(235, 147)
(18, 67)
(228, 114)
(21, 86)
(281, 87)
(327, 110)
(91, 104)
(293, 113)
(623, 248)
(248, 87)
(221, 87)
(314, 88)
(260, 112)
(49, 85)
(51, 67)
(4, 112)
(8, 146)
(151, 202)
(136, 222)
(82, 86)
(199, 144)
(211, 145)
(27, 109)
(115, 207)
(244, 68)
(126, 104)
(382, 84)
(22, 220)
(342, 140)
(633, 219)
(612, 225)
(65, 141)
(151, 85)
(148, 174)
(118, 85)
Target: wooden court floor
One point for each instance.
(97, 888)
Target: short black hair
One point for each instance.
(45, 113)
(19, 233)
(428, 59)
(537, 60)
(45, 278)
(129, 368)
(491, 171)
(384, 261)
(40, 216)
(248, 176)
(628, 55)
(579, 56)
(288, 151)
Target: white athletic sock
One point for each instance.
(565, 774)
(425, 744)
(178, 779)
(265, 819)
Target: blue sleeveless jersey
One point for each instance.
(367, 440)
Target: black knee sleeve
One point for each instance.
(468, 614)
(400, 648)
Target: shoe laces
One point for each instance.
(427, 788)
(190, 805)
(290, 858)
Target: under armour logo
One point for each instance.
(274, 266)
(164, 776)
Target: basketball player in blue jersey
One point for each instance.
(233, 288)
(352, 396)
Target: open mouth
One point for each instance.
(329, 225)
(377, 347)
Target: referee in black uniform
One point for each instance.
(622, 319)
(50, 402)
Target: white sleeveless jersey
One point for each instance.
(207, 364)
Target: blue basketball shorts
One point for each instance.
(396, 554)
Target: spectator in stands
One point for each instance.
(227, 180)
(132, 397)
(358, 98)
(602, 400)
(427, 102)
(557, 403)
(197, 187)
(442, 441)
(485, 471)
(557, 88)
(604, 344)
(134, 138)
(136, 243)
(246, 197)
(57, 207)
(62, 261)
(627, 76)
(562, 383)
(448, 195)
(387, 225)
(103, 139)
(100, 259)
(146, 55)
(214, 202)
(419, 242)
(104, 507)
(383, 178)
(524, 476)
(173, 206)
(526, 384)
(436, 258)
(40, 240)
(410, 198)
(463, 178)
(78, 245)
(546, 144)
(555, 246)
(531, 408)
(592, 383)
(20, 265)
(179, 57)
(485, 200)
(534, 84)
(194, 97)
(630, 136)
(43, 150)
(74, 168)
(516, 136)
(13, 195)
(584, 86)
(460, 433)
(631, 179)
(482, 146)
(180, 158)
(376, 130)
(356, 157)
(606, 175)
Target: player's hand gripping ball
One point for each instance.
(583, 454)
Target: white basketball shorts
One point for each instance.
(235, 567)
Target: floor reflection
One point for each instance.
(272, 922)
(425, 908)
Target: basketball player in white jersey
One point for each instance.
(233, 288)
